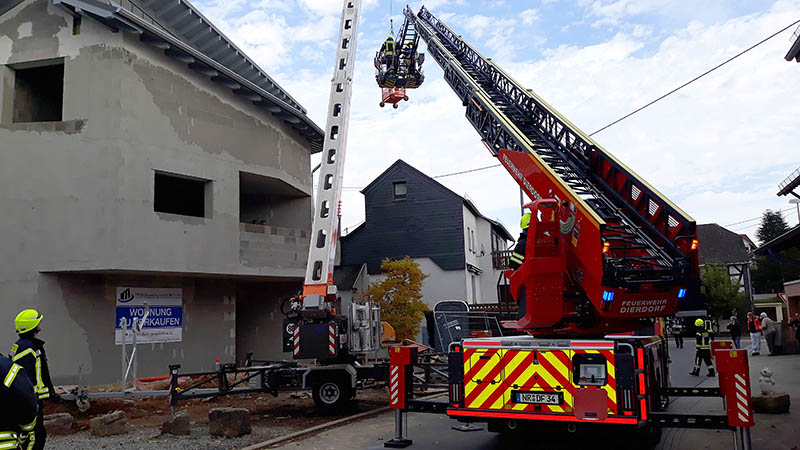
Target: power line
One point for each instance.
(696, 78)
(757, 218)
(354, 188)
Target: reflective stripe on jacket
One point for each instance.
(30, 356)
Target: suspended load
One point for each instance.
(398, 65)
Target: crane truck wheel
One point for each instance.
(331, 395)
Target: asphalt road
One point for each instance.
(434, 432)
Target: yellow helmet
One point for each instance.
(27, 320)
(699, 322)
(525, 221)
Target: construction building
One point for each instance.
(410, 214)
(146, 158)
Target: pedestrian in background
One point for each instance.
(736, 331)
(795, 323)
(768, 329)
(676, 329)
(754, 328)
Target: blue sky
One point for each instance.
(717, 148)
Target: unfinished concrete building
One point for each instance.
(143, 156)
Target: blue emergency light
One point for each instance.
(682, 293)
(608, 296)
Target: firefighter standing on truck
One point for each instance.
(18, 407)
(703, 347)
(28, 352)
(518, 254)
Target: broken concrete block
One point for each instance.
(777, 403)
(177, 425)
(109, 424)
(229, 422)
(59, 424)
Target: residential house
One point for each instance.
(146, 157)
(410, 214)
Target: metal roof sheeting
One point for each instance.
(228, 67)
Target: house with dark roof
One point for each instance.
(146, 157)
(722, 247)
(409, 213)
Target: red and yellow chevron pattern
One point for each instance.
(491, 375)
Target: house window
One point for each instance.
(185, 196)
(472, 240)
(399, 190)
(469, 238)
(38, 91)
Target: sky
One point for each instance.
(717, 148)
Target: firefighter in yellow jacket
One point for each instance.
(704, 336)
(28, 352)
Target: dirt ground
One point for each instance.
(289, 412)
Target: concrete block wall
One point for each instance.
(77, 196)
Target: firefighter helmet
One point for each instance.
(27, 320)
(525, 221)
(699, 322)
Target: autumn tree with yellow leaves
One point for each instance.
(399, 295)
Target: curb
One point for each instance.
(320, 427)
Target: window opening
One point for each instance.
(175, 194)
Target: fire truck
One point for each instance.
(606, 256)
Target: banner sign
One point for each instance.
(165, 319)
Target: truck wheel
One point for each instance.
(331, 395)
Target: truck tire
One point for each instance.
(331, 395)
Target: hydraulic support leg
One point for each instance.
(401, 385)
(734, 383)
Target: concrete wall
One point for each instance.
(77, 195)
(79, 326)
(480, 257)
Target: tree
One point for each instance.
(721, 292)
(772, 226)
(399, 296)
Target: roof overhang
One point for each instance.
(119, 19)
(791, 183)
(786, 241)
(794, 52)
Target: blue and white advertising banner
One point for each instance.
(165, 319)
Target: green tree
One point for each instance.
(721, 292)
(399, 295)
(772, 226)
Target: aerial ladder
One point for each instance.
(624, 252)
(606, 255)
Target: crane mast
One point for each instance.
(318, 283)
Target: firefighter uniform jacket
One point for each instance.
(518, 254)
(704, 338)
(19, 405)
(29, 353)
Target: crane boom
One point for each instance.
(325, 229)
(629, 242)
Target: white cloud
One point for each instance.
(717, 148)
(529, 16)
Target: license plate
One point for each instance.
(541, 398)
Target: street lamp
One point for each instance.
(796, 202)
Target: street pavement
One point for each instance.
(428, 431)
